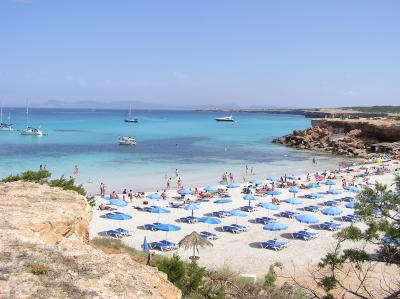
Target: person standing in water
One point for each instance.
(76, 170)
(314, 161)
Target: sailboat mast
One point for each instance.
(1, 112)
(130, 110)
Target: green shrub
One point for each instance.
(29, 176)
(175, 270)
(91, 201)
(271, 276)
(194, 278)
(67, 184)
(38, 269)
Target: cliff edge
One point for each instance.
(44, 251)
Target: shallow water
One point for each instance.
(193, 142)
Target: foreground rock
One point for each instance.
(353, 138)
(44, 251)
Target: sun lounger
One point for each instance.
(331, 203)
(242, 228)
(332, 226)
(248, 209)
(265, 220)
(231, 229)
(347, 199)
(274, 244)
(111, 233)
(305, 235)
(151, 226)
(289, 214)
(312, 208)
(208, 235)
(221, 214)
(148, 209)
(189, 219)
(351, 218)
(163, 245)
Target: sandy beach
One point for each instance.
(241, 251)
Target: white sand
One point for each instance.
(238, 251)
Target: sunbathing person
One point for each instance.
(103, 207)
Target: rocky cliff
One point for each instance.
(44, 251)
(353, 138)
(382, 130)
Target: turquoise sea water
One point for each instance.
(201, 148)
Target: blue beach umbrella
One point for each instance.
(290, 176)
(145, 246)
(307, 218)
(294, 201)
(330, 183)
(255, 182)
(315, 195)
(223, 201)
(209, 220)
(211, 189)
(237, 213)
(352, 189)
(185, 192)
(350, 205)
(191, 207)
(250, 197)
(159, 210)
(275, 226)
(274, 192)
(232, 185)
(334, 191)
(118, 216)
(294, 190)
(272, 178)
(313, 185)
(331, 211)
(167, 228)
(154, 196)
(118, 202)
(270, 206)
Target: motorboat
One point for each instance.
(225, 118)
(32, 131)
(130, 118)
(5, 126)
(127, 140)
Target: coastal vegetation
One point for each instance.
(43, 177)
(198, 282)
(374, 109)
(379, 208)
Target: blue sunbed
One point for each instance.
(163, 245)
(330, 225)
(111, 233)
(331, 203)
(242, 228)
(289, 214)
(248, 209)
(221, 214)
(265, 220)
(312, 208)
(231, 229)
(274, 244)
(351, 218)
(151, 226)
(189, 219)
(208, 235)
(305, 235)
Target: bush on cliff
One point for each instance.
(40, 176)
(67, 184)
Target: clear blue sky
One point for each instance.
(285, 53)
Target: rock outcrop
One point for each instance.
(44, 251)
(351, 138)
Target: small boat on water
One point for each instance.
(31, 131)
(130, 118)
(5, 126)
(225, 118)
(127, 140)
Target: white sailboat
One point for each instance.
(130, 118)
(5, 126)
(226, 118)
(126, 140)
(31, 130)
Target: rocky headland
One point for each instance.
(349, 137)
(45, 251)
